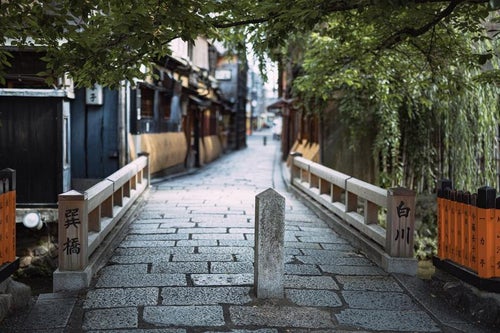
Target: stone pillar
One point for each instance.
(73, 231)
(269, 268)
(400, 222)
(73, 272)
(294, 171)
(146, 172)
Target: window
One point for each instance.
(147, 102)
(23, 71)
(164, 102)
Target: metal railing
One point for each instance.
(360, 205)
(85, 219)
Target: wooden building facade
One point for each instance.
(60, 138)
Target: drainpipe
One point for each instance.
(123, 108)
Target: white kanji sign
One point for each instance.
(94, 96)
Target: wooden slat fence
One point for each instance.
(469, 230)
(7, 216)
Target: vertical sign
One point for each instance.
(473, 233)
(73, 231)
(94, 95)
(497, 238)
(12, 215)
(446, 225)
(452, 224)
(400, 222)
(466, 230)
(459, 225)
(486, 197)
(8, 215)
(442, 187)
(7, 222)
(3, 229)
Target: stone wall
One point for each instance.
(37, 251)
(13, 295)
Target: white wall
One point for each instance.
(200, 51)
(179, 48)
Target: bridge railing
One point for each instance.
(85, 219)
(383, 219)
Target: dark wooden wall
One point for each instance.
(94, 136)
(31, 143)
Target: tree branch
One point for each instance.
(340, 6)
(399, 35)
(240, 23)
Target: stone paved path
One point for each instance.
(186, 265)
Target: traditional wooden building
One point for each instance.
(231, 73)
(35, 131)
(60, 138)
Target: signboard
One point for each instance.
(223, 74)
(94, 95)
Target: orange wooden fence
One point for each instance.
(469, 229)
(7, 216)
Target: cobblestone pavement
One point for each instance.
(186, 265)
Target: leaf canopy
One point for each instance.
(107, 41)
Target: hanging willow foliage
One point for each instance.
(433, 118)
(470, 132)
(418, 143)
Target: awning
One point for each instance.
(201, 102)
(152, 86)
(176, 64)
(279, 103)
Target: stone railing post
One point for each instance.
(147, 171)
(73, 231)
(400, 222)
(269, 269)
(294, 172)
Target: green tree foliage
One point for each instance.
(434, 117)
(102, 41)
(109, 40)
(422, 71)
